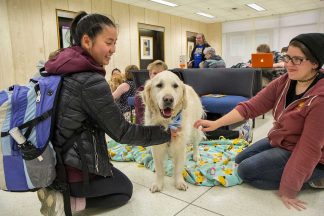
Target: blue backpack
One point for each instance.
(27, 117)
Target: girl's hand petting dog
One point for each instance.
(175, 131)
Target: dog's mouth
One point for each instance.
(166, 113)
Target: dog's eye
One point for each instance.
(175, 85)
(160, 85)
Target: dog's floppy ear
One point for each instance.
(184, 97)
(146, 94)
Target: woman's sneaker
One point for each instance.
(52, 202)
(246, 131)
(319, 183)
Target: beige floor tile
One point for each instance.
(243, 200)
(144, 203)
(145, 177)
(19, 204)
(195, 211)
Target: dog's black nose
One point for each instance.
(168, 100)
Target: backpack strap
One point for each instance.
(61, 183)
(30, 124)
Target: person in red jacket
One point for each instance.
(291, 157)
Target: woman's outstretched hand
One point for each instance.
(293, 202)
(205, 125)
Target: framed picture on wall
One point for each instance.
(63, 21)
(146, 46)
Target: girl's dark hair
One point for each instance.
(305, 50)
(89, 24)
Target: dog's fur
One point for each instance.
(164, 97)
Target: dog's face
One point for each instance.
(165, 93)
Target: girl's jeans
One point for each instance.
(262, 165)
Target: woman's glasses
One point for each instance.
(296, 60)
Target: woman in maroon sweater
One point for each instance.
(291, 158)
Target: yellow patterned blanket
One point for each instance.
(216, 167)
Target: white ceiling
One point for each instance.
(223, 9)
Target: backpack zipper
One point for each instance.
(38, 93)
(95, 149)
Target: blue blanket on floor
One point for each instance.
(216, 166)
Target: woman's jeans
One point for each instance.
(262, 165)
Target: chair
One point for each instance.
(235, 83)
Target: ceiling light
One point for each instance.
(256, 7)
(205, 15)
(165, 3)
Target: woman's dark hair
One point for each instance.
(89, 24)
(305, 50)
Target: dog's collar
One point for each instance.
(176, 121)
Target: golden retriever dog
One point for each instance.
(165, 98)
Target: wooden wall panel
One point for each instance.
(121, 14)
(79, 5)
(101, 6)
(104, 7)
(50, 25)
(214, 36)
(194, 26)
(165, 21)
(185, 26)
(7, 69)
(29, 33)
(151, 17)
(137, 15)
(176, 47)
(25, 26)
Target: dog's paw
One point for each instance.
(156, 187)
(181, 185)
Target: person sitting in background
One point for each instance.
(281, 63)
(125, 90)
(154, 68)
(115, 81)
(291, 157)
(212, 60)
(265, 48)
(115, 71)
(197, 54)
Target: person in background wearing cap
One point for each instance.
(291, 157)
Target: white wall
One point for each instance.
(240, 38)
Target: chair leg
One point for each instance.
(263, 116)
(253, 123)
